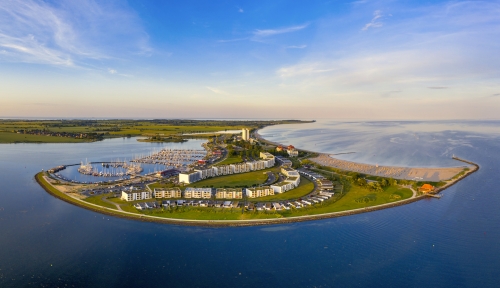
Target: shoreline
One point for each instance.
(429, 174)
(238, 223)
(215, 223)
(47, 186)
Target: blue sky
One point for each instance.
(250, 59)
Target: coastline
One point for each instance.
(236, 223)
(406, 173)
(213, 223)
(48, 187)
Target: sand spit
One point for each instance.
(419, 174)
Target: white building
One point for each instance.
(259, 192)
(240, 167)
(294, 180)
(135, 194)
(206, 173)
(289, 172)
(292, 151)
(229, 193)
(245, 134)
(205, 193)
(167, 192)
(282, 187)
(268, 158)
(223, 170)
(189, 177)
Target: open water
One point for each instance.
(449, 242)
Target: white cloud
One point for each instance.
(217, 91)
(68, 33)
(296, 47)
(112, 71)
(258, 35)
(240, 10)
(375, 23)
(272, 32)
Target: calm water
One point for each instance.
(450, 242)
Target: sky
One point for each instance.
(250, 59)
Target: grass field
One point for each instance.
(116, 128)
(9, 137)
(347, 202)
(248, 179)
(98, 200)
(160, 185)
(357, 197)
(211, 214)
(230, 160)
(305, 187)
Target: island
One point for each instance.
(242, 179)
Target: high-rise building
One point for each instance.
(245, 134)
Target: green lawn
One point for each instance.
(305, 187)
(9, 137)
(160, 185)
(231, 160)
(248, 179)
(210, 214)
(98, 201)
(357, 197)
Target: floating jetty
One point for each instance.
(110, 169)
(172, 157)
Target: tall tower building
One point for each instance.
(245, 134)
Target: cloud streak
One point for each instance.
(68, 33)
(297, 47)
(272, 32)
(375, 23)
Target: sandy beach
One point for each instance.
(419, 174)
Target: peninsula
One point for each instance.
(242, 180)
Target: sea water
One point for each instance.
(447, 242)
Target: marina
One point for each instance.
(144, 162)
(178, 158)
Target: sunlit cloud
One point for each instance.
(217, 91)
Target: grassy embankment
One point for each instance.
(9, 137)
(230, 160)
(98, 200)
(94, 199)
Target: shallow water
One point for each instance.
(450, 242)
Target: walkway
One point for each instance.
(109, 202)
